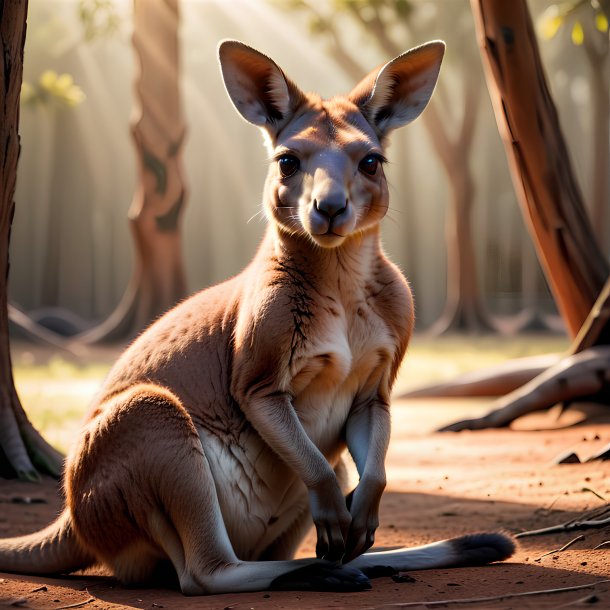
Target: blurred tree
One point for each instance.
(158, 130)
(586, 23)
(22, 450)
(547, 190)
(158, 281)
(551, 201)
(390, 23)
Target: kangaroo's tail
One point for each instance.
(53, 550)
(469, 550)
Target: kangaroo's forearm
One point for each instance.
(275, 419)
(368, 436)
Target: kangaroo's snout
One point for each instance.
(330, 217)
(330, 213)
(331, 206)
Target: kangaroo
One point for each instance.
(216, 440)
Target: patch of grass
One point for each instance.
(56, 390)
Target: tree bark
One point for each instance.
(158, 131)
(548, 194)
(22, 449)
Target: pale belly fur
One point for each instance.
(260, 497)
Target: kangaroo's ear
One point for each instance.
(258, 88)
(398, 92)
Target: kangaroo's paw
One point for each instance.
(322, 576)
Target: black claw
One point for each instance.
(322, 577)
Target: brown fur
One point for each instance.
(217, 438)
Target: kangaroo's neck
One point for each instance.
(356, 258)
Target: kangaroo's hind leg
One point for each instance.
(140, 490)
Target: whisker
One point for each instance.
(258, 213)
(393, 220)
(391, 209)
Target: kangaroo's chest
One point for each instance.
(346, 358)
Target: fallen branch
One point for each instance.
(563, 548)
(590, 521)
(38, 333)
(495, 380)
(601, 545)
(581, 376)
(495, 598)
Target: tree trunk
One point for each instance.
(600, 128)
(464, 310)
(158, 131)
(551, 201)
(549, 196)
(22, 449)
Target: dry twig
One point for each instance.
(588, 489)
(586, 521)
(563, 548)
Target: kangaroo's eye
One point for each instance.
(369, 165)
(289, 165)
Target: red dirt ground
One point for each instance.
(440, 485)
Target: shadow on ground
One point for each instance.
(407, 519)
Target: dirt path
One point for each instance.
(439, 485)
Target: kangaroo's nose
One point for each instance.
(331, 206)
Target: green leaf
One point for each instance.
(578, 34)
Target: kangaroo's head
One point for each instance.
(326, 180)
